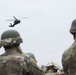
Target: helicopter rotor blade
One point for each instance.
(24, 18)
(10, 20)
(14, 17)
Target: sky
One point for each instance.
(45, 32)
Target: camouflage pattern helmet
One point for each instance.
(73, 27)
(53, 64)
(11, 36)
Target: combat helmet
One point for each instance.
(31, 55)
(53, 65)
(73, 27)
(10, 37)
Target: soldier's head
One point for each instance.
(73, 28)
(10, 38)
(52, 67)
(31, 55)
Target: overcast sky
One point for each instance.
(46, 30)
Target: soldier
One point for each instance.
(32, 58)
(14, 61)
(69, 55)
(52, 69)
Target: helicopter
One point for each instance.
(16, 21)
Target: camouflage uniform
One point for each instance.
(14, 61)
(69, 56)
(13, 64)
(69, 60)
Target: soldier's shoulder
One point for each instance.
(69, 50)
(19, 61)
(15, 58)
